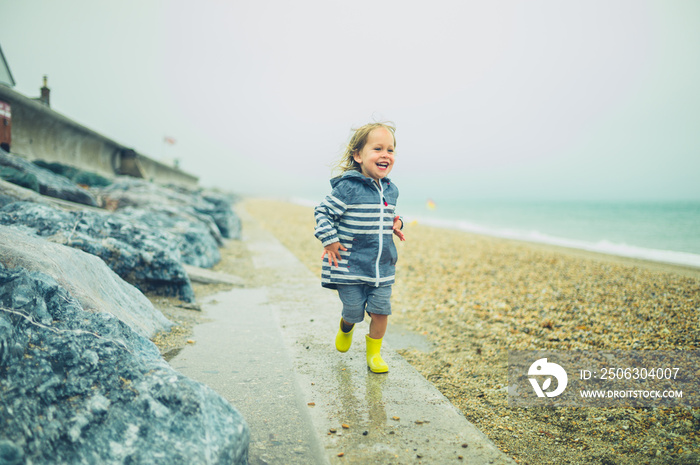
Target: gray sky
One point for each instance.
(506, 99)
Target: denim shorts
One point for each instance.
(358, 298)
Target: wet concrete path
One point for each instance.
(269, 351)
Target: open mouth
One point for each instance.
(383, 165)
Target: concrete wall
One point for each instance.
(39, 133)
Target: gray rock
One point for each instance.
(228, 222)
(147, 257)
(132, 192)
(196, 236)
(10, 192)
(49, 183)
(88, 279)
(20, 178)
(129, 192)
(10, 454)
(81, 386)
(78, 176)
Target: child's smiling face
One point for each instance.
(377, 156)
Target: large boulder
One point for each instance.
(10, 192)
(196, 236)
(129, 192)
(78, 176)
(132, 192)
(144, 256)
(47, 182)
(81, 386)
(18, 177)
(228, 222)
(86, 277)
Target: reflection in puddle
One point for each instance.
(374, 397)
(366, 411)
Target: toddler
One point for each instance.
(355, 225)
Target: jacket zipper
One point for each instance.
(381, 229)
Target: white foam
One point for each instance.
(604, 246)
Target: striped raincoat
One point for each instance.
(360, 214)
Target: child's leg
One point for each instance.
(343, 340)
(377, 327)
(347, 327)
(354, 300)
(379, 309)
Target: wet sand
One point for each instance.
(476, 297)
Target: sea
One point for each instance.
(661, 231)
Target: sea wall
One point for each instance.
(40, 133)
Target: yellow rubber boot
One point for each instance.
(343, 340)
(374, 360)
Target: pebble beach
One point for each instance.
(475, 298)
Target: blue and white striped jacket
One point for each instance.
(360, 214)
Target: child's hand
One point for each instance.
(333, 254)
(398, 224)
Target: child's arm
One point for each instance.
(333, 254)
(398, 226)
(330, 211)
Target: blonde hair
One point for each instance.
(357, 142)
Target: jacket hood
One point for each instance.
(355, 176)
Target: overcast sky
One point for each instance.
(507, 99)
